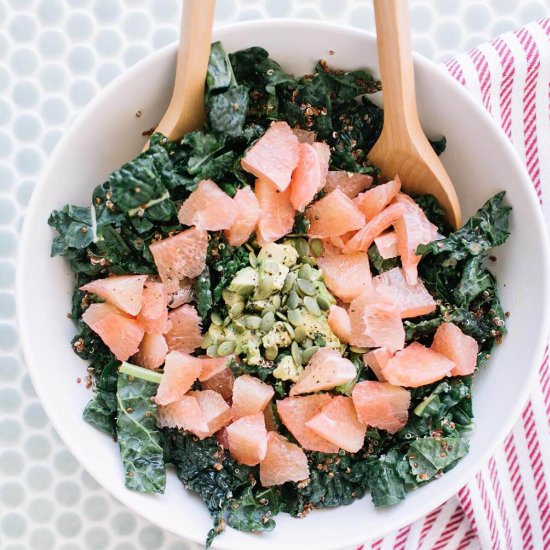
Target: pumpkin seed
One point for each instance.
(252, 322)
(300, 334)
(284, 299)
(226, 321)
(212, 351)
(308, 342)
(268, 320)
(293, 300)
(294, 317)
(216, 319)
(226, 348)
(265, 287)
(301, 247)
(289, 329)
(289, 281)
(323, 303)
(296, 354)
(236, 309)
(317, 247)
(276, 301)
(280, 315)
(271, 353)
(305, 287)
(312, 306)
(238, 326)
(357, 349)
(252, 259)
(206, 341)
(305, 272)
(308, 353)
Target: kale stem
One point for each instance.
(139, 372)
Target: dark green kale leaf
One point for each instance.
(227, 111)
(138, 436)
(301, 224)
(203, 293)
(76, 228)
(389, 478)
(433, 212)
(219, 76)
(378, 263)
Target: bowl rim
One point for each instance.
(271, 25)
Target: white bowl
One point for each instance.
(480, 161)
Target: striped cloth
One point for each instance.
(505, 506)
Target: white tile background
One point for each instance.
(55, 55)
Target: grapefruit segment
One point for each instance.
(152, 351)
(123, 291)
(373, 201)
(215, 411)
(248, 213)
(284, 461)
(346, 275)
(294, 412)
(120, 334)
(326, 370)
(338, 321)
(247, 439)
(208, 207)
(184, 331)
(387, 245)
(460, 348)
(381, 405)
(276, 212)
(180, 372)
(417, 366)
(350, 183)
(97, 311)
(153, 315)
(274, 156)
(182, 255)
(217, 376)
(250, 396)
(376, 360)
(375, 319)
(413, 300)
(333, 215)
(338, 423)
(184, 414)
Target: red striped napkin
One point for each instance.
(505, 506)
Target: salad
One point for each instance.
(262, 311)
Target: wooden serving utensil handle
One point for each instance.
(186, 110)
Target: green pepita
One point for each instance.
(308, 353)
(300, 334)
(212, 351)
(252, 322)
(305, 287)
(356, 349)
(307, 343)
(268, 320)
(236, 309)
(206, 341)
(252, 259)
(289, 281)
(296, 353)
(226, 348)
(294, 317)
(276, 301)
(323, 303)
(317, 247)
(289, 329)
(293, 300)
(312, 306)
(271, 353)
(216, 319)
(301, 247)
(280, 315)
(305, 272)
(226, 321)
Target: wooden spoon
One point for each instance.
(402, 148)
(186, 110)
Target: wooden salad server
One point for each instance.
(403, 148)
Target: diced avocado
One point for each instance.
(273, 302)
(244, 282)
(231, 298)
(287, 369)
(318, 325)
(250, 346)
(278, 272)
(281, 253)
(277, 336)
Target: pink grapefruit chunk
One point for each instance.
(387, 245)
(184, 333)
(215, 411)
(274, 156)
(375, 319)
(333, 215)
(180, 372)
(97, 311)
(248, 213)
(381, 405)
(376, 360)
(460, 348)
(276, 212)
(296, 411)
(346, 275)
(250, 396)
(152, 351)
(373, 201)
(209, 208)
(247, 438)
(123, 291)
(341, 240)
(307, 178)
(338, 321)
(350, 183)
(416, 366)
(182, 255)
(338, 423)
(153, 315)
(413, 300)
(184, 294)
(120, 334)
(184, 414)
(326, 370)
(217, 376)
(284, 461)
